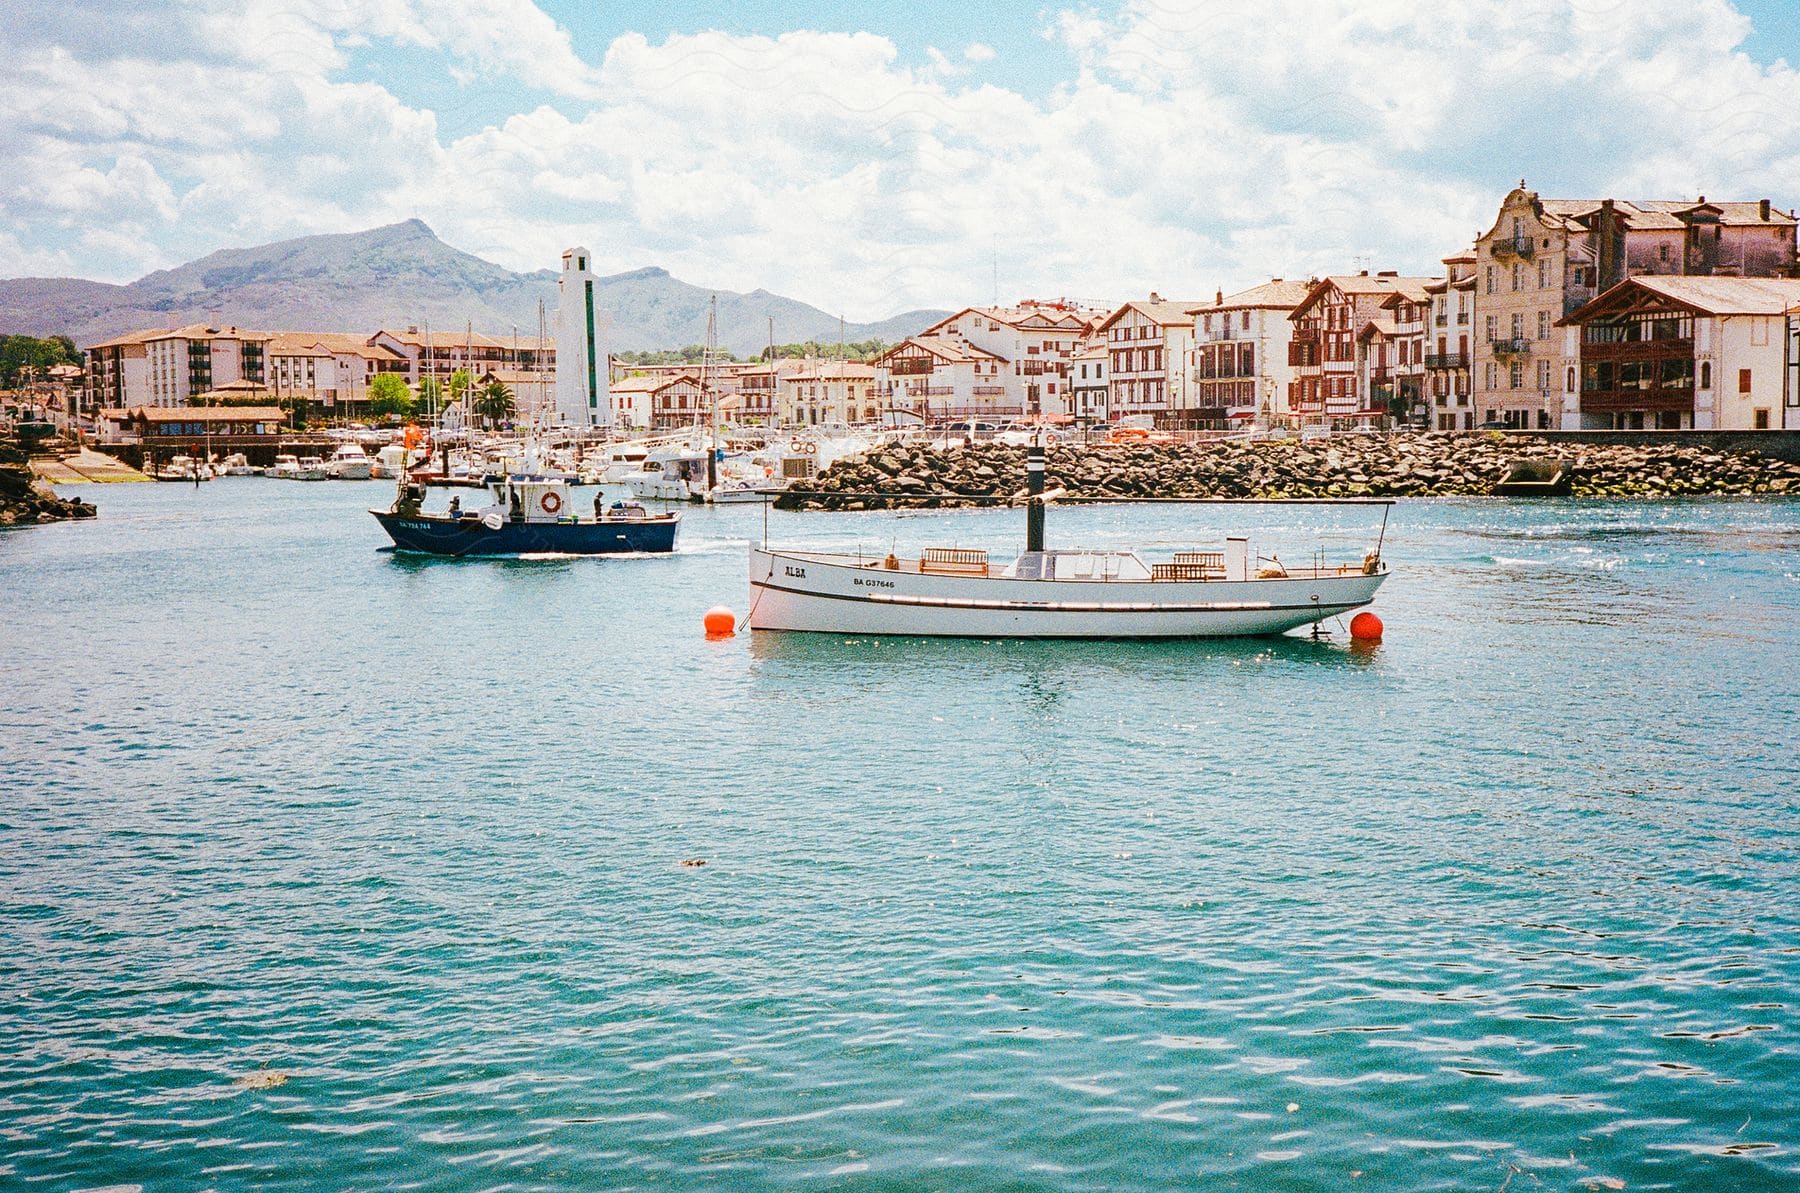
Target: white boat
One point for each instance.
(185, 468)
(389, 462)
(310, 468)
(349, 463)
(285, 468)
(959, 593)
(669, 474)
(616, 461)
(238, 464)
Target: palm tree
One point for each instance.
(494, 403)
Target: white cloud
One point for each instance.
(1191, 149)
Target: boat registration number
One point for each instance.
(791, 570)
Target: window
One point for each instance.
(1518, 325)
(1543, 274)
(1244, 320)
(1543, 374)
(1543, 325)
(1662, 252)
(1490, 279)
(1493, 328)
(1518, 271)
(1706, 374)
(1514, 375)
(1760, 419)
(1490, 375)
(1569, 382)
(1743, 381)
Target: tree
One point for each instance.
(461, 383)
(431, 394)
(389, 396)
(494, 403)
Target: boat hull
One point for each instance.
(805, 591)
(470, 537)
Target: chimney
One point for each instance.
(1388, 273)
(412, 329)
(1763, 208)
(1362, 273)
(1218, 298)
(1155, 297)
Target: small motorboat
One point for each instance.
(238, 464)
(310, 468)
(959, 593)
(349, 463)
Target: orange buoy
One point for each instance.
(720, 622)
(1365, 627)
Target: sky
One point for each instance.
(872, 158)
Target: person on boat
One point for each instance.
(599, 506)
(455, 508)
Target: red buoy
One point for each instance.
(720, 622)
(1365, 627)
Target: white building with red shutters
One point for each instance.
(1150, 343)
(943, 377)
(1390, 353)
(1033, 341)
(1241, 372)
(1325, 389)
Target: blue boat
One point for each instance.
(528, 515)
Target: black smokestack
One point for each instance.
(1034, 491)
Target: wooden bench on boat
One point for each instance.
(1191, 565)
(959, 561)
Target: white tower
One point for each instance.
(581, 362)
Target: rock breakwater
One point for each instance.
(26, 501)
(1419, 465)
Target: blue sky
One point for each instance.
(873, 157)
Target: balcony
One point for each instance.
(1447, 360)
(1512, 346)
(1512, 246)
(1613, 401)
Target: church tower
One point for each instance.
(581, 362)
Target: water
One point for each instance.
(324, 868)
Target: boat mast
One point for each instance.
(712, 451)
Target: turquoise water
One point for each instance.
(1509, 901)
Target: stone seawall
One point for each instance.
(1420, 465)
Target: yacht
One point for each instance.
(349, 463)
(959, 593)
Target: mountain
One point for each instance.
(402, 275)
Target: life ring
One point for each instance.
(550, 502)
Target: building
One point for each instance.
(118, 372)
(439, 354)
(1090, 393)
(1449, 316)
(1673, 353)
(754, 404)
(1033, 343)
(1325, 389)
(827, 391)
(1543, 258)
(1151, 345)
(581, 384)
(329, 369)
(941, 377)
(178, 429)
(1241, 368)
(659, 402)
(1390, 355)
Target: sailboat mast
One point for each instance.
(712, 451)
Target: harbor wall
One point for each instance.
(1353, 466)
(1779, 445)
